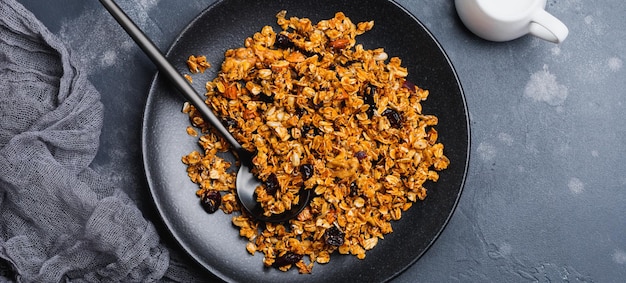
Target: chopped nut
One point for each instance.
(340, 43)
(197, 64)
(191, 131)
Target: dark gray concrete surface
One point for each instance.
(545, 197)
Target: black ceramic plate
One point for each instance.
(211, 239)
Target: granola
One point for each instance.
(323, 113)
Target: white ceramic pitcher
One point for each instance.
(504, 20)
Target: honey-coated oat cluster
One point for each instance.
(324, 114)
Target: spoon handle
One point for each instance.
(168, 70)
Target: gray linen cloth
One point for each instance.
(59, 220)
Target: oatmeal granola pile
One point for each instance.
(325, 114)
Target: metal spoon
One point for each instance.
(246, 181)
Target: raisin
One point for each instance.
(271, 184)
(306, 130)
(370, 92)
(307, 53)
(300, 111)
(360, 155)
(348, 63)
(229, 122)
(287, 259)
(395, 119)
(376, 161)
(354, 189)
(307, 171)
(266, 98)
(334, 236)
(283, 41)
(317, 106)
(368, 95)
(211, 201)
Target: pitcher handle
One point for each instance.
(546, 26)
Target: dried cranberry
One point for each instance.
(287, 259)
(409, 85)
(211, 201)
(360, 155)
(271, 184)
(307, 171)
(395, 119)
(334, 236)
(283, 41)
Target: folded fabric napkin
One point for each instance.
(59, 220)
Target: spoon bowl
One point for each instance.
(246, 181)
(246, 185)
